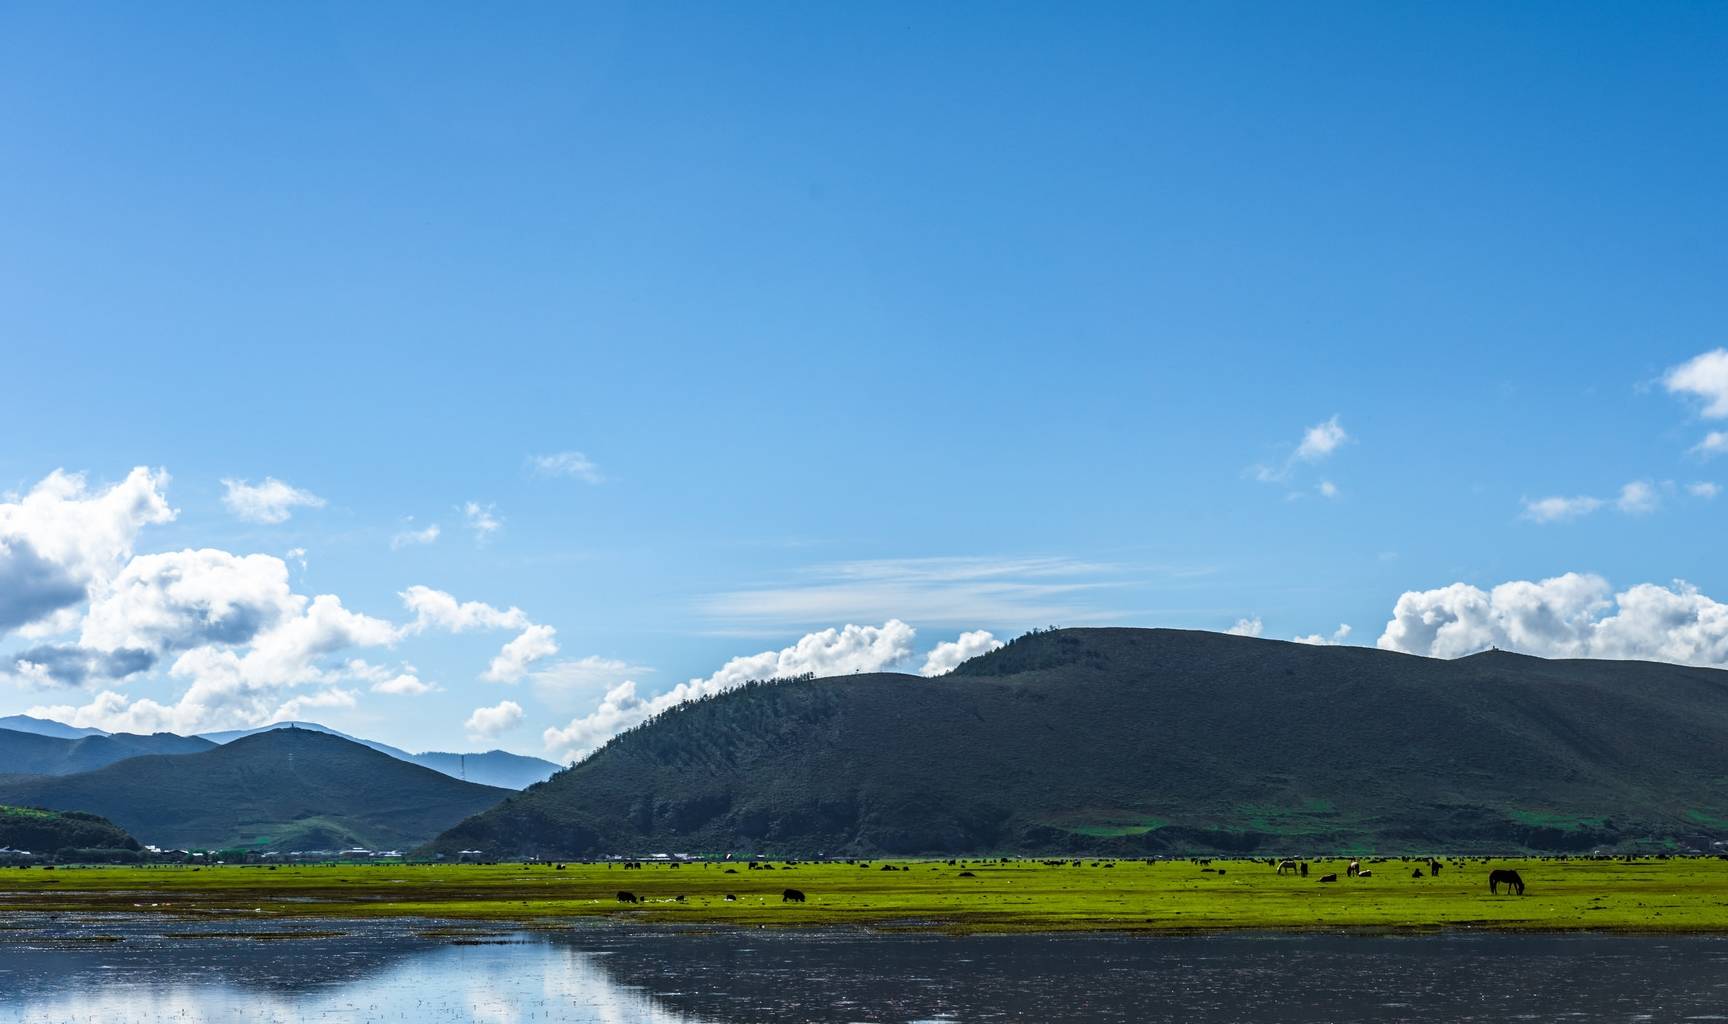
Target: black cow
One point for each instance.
(1329, 878)
(628, 897)
(792, 896)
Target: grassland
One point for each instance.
(1678, 895)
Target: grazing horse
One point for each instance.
(1509, 877)
(792, 896)
(628, 897)
(1329, 878)
(1354, 869)
(1286, 865)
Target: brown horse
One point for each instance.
(1507, 876)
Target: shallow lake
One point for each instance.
(96, 969)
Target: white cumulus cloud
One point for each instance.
(1704, 377)
(1559, 509)
(269, 502)
(1321, 440)
(435, 609)
(1247, 627)
(1715, 443)
(1575, 615)
(947, 655)
(828, 652)
(1638, 498)
(239, 640)
(1339, 636)
(488, 723)
(404, 684)
(512, 662)
(183, 599)
(62, 537)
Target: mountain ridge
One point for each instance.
(25, 753)
(281, 789)
(488, 768)
(1155, 741)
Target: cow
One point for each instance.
(1329, 878)
(731, 898)
(966, 874)
(1416, 874)
(792, 896)
(628, 897)
(1304, 869)
(1507, 876)
(1365, 873)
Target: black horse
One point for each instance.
(1509, 877)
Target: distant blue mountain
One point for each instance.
(492, 768)
(44, 727)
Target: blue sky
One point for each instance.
(984, 318)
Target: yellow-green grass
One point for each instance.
(1648, 895)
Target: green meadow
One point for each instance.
(1689, 894)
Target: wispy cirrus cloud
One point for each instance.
(1319, 443)
(483, 520)
(1636, 498)
(411, 537)
(574, 465)
(933, 591)
(271, 501)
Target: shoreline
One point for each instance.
(41, 924)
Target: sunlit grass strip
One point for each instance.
(1679, 895)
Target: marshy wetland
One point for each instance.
(884, 941)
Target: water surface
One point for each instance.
(83, 968)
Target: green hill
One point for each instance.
(1156, 741)
(285, 789)
(23, 753)
(44, 832)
